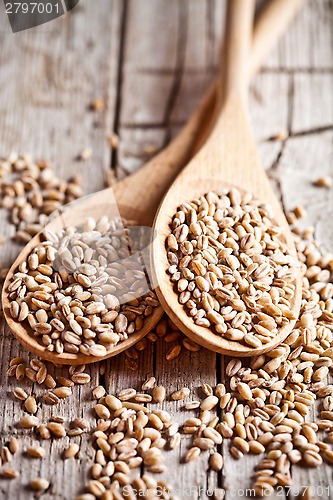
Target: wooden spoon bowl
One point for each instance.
(167, 295)
(92, 206)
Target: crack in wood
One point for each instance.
(119, 80)
(301, 133)
(273, 170)
(152, 125)
(178, 74)
(291, 71)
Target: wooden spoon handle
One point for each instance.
(156, 176)
(270, 23)
(237, 43)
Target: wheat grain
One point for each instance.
(227, 260)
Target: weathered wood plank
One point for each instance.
(307, 45)
(170, 52)
(269, 105)
(48, 87)
(189, 369)
(313, 102)
(164, 78)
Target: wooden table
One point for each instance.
(150, 61)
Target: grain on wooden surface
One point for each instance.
(168, 58)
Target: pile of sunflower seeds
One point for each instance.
(231, 267)
(79, 291)
(30, 191)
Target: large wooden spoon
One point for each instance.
(139, 195)
(229, 158)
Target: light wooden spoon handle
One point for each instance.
(270, 23)
(237, 43)
(157, 175)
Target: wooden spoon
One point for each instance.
(229, 158)
(154, 178)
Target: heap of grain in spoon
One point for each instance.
(79, 290)
(231, 266)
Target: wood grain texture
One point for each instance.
(281, 92)
(47, 87)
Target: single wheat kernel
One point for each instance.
(203, 443)
(62, 392)
(192, 454)
(49, 382)
(30, 405)
(174, 441)
(150, 383)
(43, 432)
(6, 455)
(126, 394)
(159, 394)
(20, 393)
(98, 392)
(20, 372)
(113, 402)
(71, 451)
(212, 434)
(97, 104)
(41, 375)
(182, 393)
(35, 451)
(143, 398)
(299, 211)
(39, 484)
(16, 361)
(192, 405)
(81, 378)
(173, 353)
(325, 182)
(64, 381)
(96, 488)
(28, 422)
(207, 389)
(50, 398)
(245, 391)
(102, 411)
(86, 154)
(57, 430)
(216, 461)
(209, 403)
(9, 473)
(13, 445)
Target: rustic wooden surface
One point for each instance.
(151, 61)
